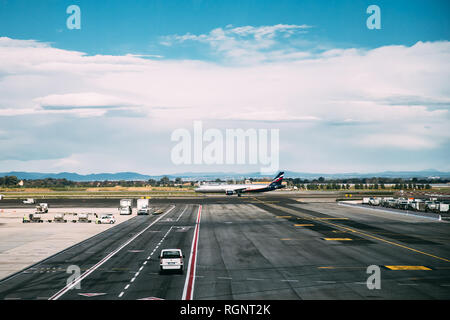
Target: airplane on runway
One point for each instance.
(239, 189)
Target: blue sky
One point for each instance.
(135, 26)
(344, 98)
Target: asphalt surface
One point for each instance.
(265, 247)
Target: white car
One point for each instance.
(28, 201)
(171, 259)
(106, 218)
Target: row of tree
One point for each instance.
(360, 186)
(367, 181)
(9, 181)
(13, 181)
(315, 184)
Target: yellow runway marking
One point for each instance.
(303, 225)
(387, 241)
(337, 239)
(407, 268)
(284, 217)
(306, 217)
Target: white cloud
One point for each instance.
(398, 141)
(243, 45)
(393, 96)
(82, 100)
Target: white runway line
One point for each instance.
(145, 262)
(105, 259)
(188, 291)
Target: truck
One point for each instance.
(143, 207)
(443, 207)
(431, 206)
(42, 208)
(419, 205)
(125, 206)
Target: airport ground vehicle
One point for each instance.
(142, 207)
(83, 217)
(106, 218)
(59, 217)
(1, 196)
(158, 211)
(29, 201)
(171, 259)
(42, 208)
(444, 207)
(125, 206)
(431, 205)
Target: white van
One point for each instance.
(171, 259)
(106, 218)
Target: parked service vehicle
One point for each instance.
(83, 217)
(171, 259)
(443, 207)
(29, 201)
(125, 206)
(143, 206)
(32, 217)
(106, 218)
(59, 217)
(415, 204)
(391, 203)
(402, 204)
(42, 208)
(431, 206)
(1, 196)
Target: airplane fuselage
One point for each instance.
(230, 189)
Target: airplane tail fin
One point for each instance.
(278, 179)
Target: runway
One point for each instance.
(265, 247)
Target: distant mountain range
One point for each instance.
(190, 176)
